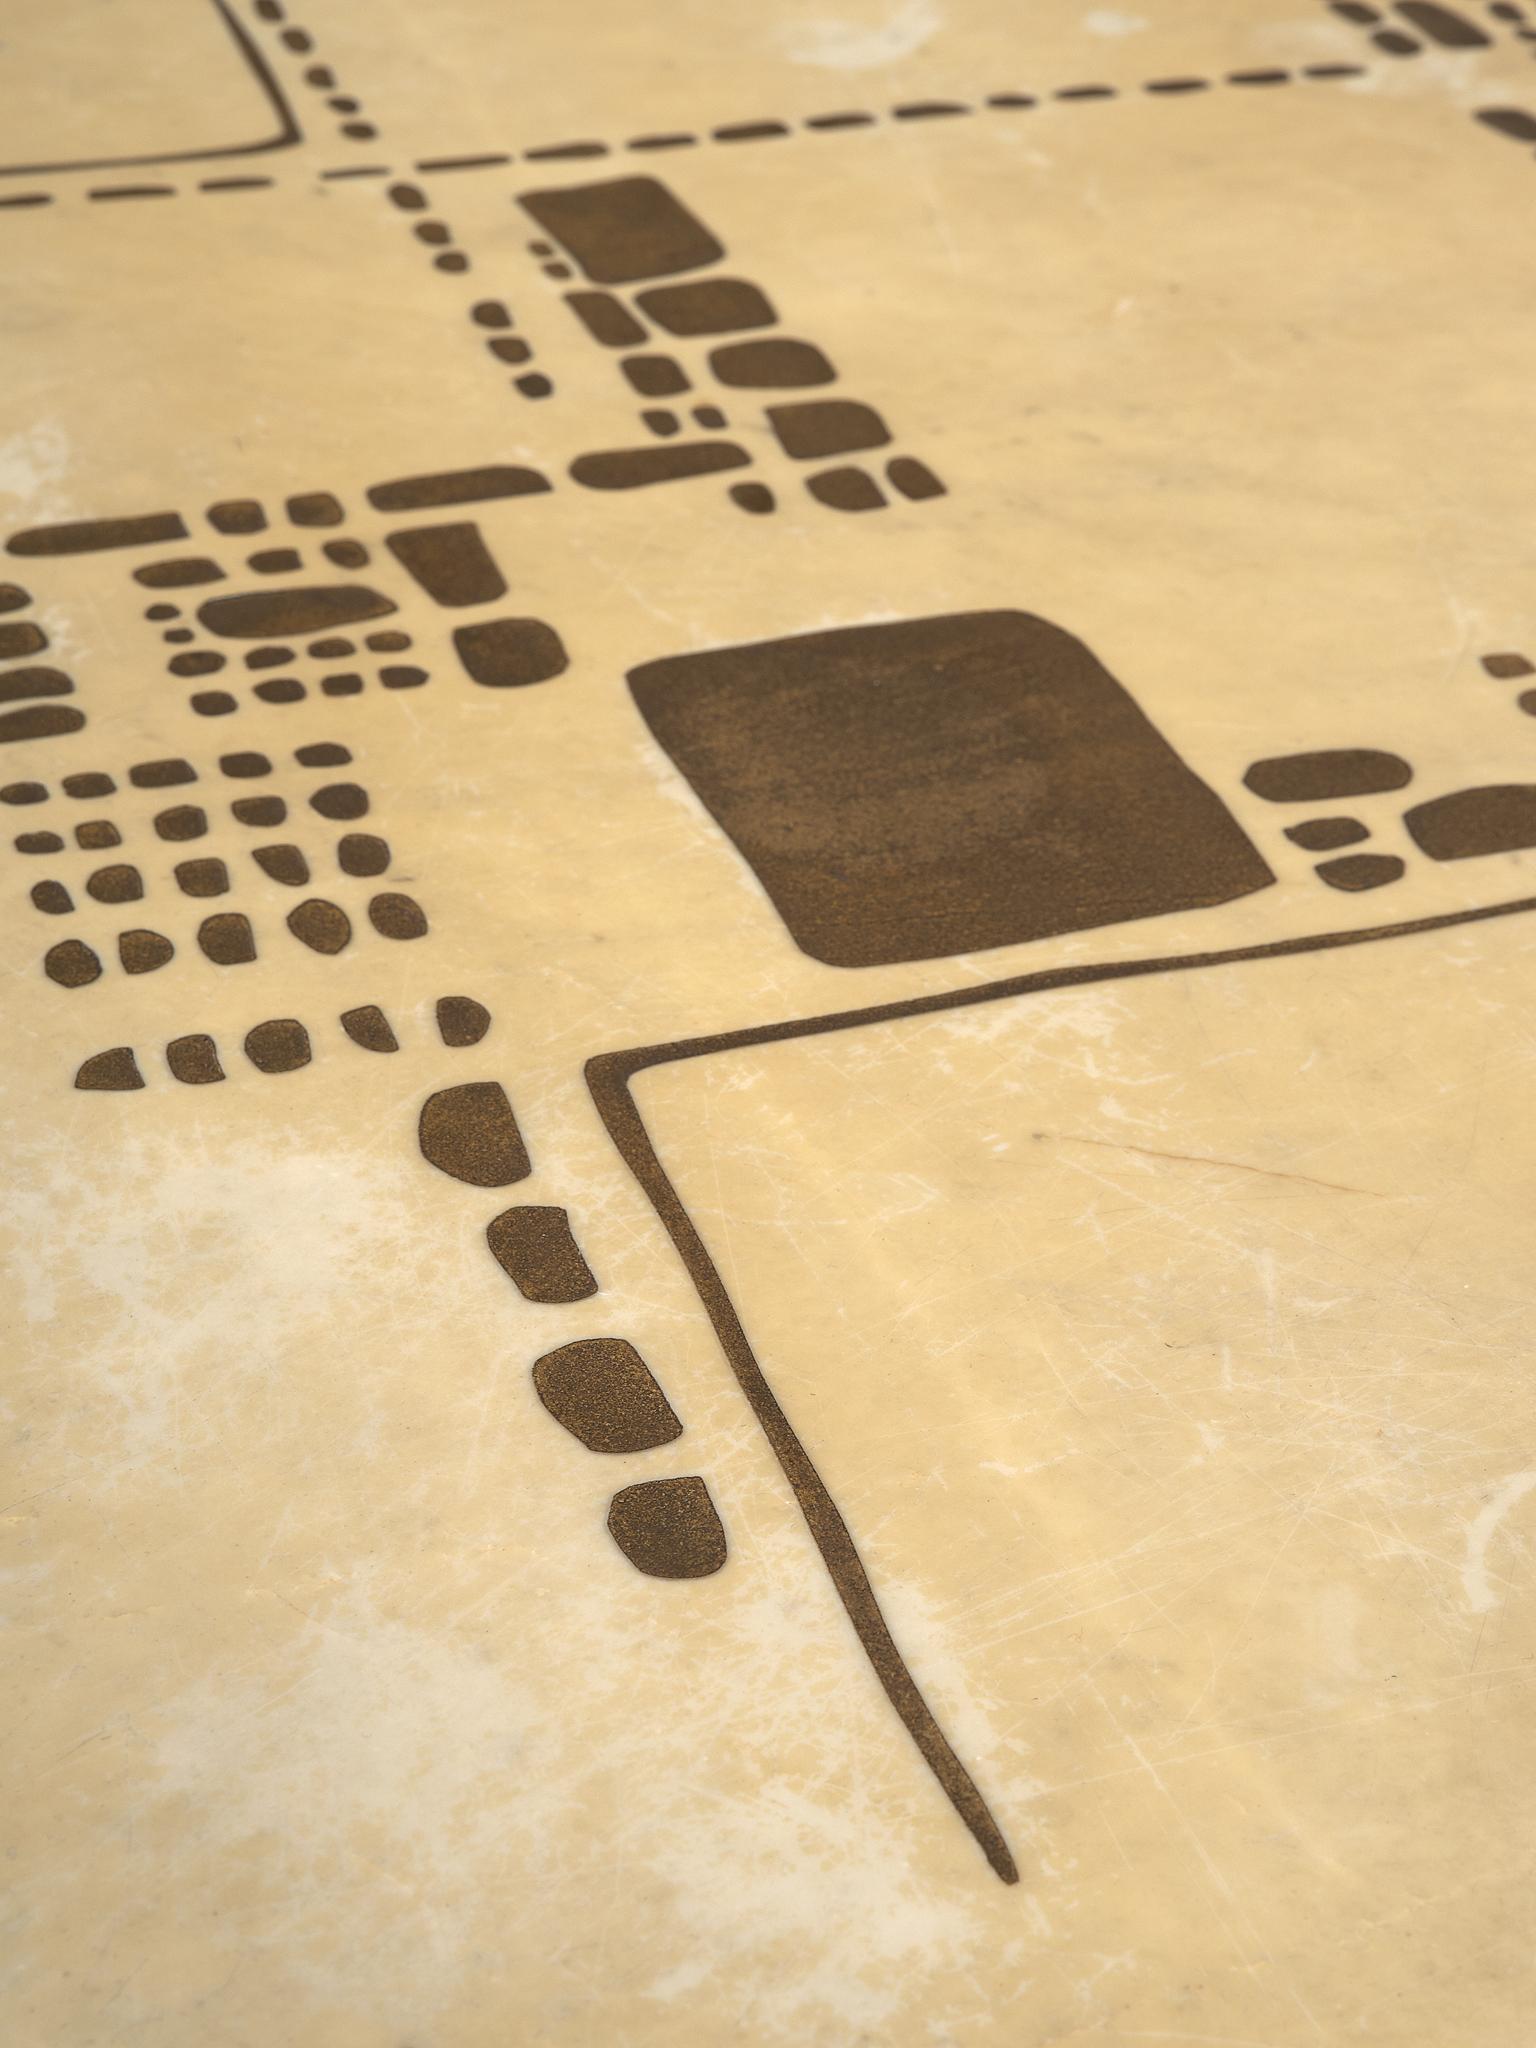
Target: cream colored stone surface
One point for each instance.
(1163, 1340)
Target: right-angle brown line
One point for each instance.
(608, 1076)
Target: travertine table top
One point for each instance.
(768, 795)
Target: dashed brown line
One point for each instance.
(1086, 94)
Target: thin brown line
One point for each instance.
(608, 1076)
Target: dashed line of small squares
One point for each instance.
(278, 1045)
(318, 77)
(736, 132)
(598, 1388)
(505, 347)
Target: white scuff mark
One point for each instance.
(1104, 21)
(33, 462)
(838, 45)
(1481, 1597)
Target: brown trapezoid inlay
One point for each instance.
(535, 1247)
(604, 1393)
(942, 786)
(368, 1027)
(668, 1528)
(116, 1069)
(608, 1079)
(194, 1059)
(470, 1133)
(278, 1046)
(452, 563)
(461, 1020)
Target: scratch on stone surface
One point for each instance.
(1481, 1597)
(1199, 1159)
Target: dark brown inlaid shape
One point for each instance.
(456, 487)
(654, 376)
(470, 1132)
(846, 490)
(315, 508)
(451, 563)
(1321, 835)
(818, 427)
(534, 1246)
(508, 654)
(227, 939)
(340, 800)
(607, 319)
(117, 884)
(1507, 666)
(52, 898)
(24, 793)
(1442, 25)
(285, 864)
(914, 479)
(754, 498)
(1357, 871)
(622, 229)
(275, 614)
(47, 842)
(180, 574)
(115, 1069)
(237, 515)
(141, 951)
(259, 810)
(276, 561)
(183, 821)
(1324, 777)
(71, 964)
(21, 637)
(322, 754)
(461, 1020)
(97, 834)
(84, 536)
(208, 877)
(161, 774)
(13, 598)
(714, 305)
(623, 469)
(278, 1046)
(370, 1028)
(322, 926)
(35, 682)
(604, 1393)
(1500, 818)
(242, 767)
(668, 1528)
(774, 363)
(360, 853)
(89, 785)
(40, 722)
(942, 786)
(194, 1059)
(394, 916)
